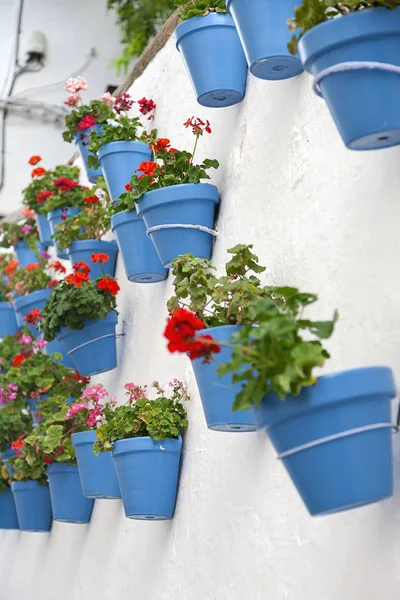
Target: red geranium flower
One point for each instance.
(203, 347)
(18, 359)
(198, 126)
(128, 187)
(65, 184)
(91, 200)
(108, 285)
(58, 267)
(181, 326)
(86, 122)
(100, 257)
(34, 159)
(11, 267)
(38, 172)
(81, 267)
(147, 106)
(77, 278)
(147, 167)
(19, 443)
(33, 317)
(52, 283)
(41, 197)
(47, 460)
(161, 144)
(32, 267)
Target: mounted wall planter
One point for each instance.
(218, 393)
(33, 505)
(8, 514)
(264, 33)
(97, 473)
(335, 439)
(55, 218)
(83, 250)
(57, 347)
(141, 261)
(119, 161)
(214, 58)
(24, 304)
(8, 320)
(361, 98)
(92, 349)
(148, 476)
(67, 500)
(82, 140)
(167, 213)
(26, 256)
(44, 230)
(5, 457)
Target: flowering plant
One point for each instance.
(29, 464)
(313, 12)
(77, 299)
(121, 128)
(161, 418)
(12, 345)
(67, 193)
(25, 231)
(83, 116)
(37, 194)
(5, 479)
(31, 278)
(200, 8)
(15, 420)
(170, 167)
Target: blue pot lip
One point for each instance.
(112, 317)
(83, 437)
(31, 298)
(93, 244)
(6, 305)
(22, 486)
(121, 146)
(21, 244)
(124, 216)
(155, 197)
(224, 328)
(346, 28)
(56, 213)
(195, 23)
(129, 445)
(63, 467)
(328, 390)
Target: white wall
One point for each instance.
(322, 218)
(72, 28)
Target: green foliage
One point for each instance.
(227, 300)
(161, 418)
(123, 129)
(10, 346)
(313, 12)
(71, 197)
(97, 109)
(45, 184)
(15, 420)
(5, 479)
(139, 21)
(200, 8)
(70, 305)
(11, 234)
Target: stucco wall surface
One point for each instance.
(322, 218)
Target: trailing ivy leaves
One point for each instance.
(200, 8)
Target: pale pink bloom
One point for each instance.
(135, 392)
(39, 344)
(26, 339)
(26, 229)
(72, 100)
(75, 409)
(45, 254)
(75, 84)
(28, 212)
(13, 387)
(107, 98)
(18, 286)
(95, 415)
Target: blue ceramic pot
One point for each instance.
(8, 320)
(97, 473)
(24, 304)
(363, 103)
(33, 505)
(83, 250)
(5, 457)
(55, 217)
(8, 514)
(44, 229)
(57, 347)
(214, 58)
(92, 349)
(119, 161)
(82, 140)
(25, 256)
(141, 261)
(264, 33)
(218, 393)
(148, 476)
(67, 500)
(335, 439)
(189, 203)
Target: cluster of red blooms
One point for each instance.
(107, 284)
(198, 126)
(80, 274)
(65, 184)
(180, 332)
(58, 267)
(38, 172)
(33, 317)
(18, 444)
(163, 144)
(146, 107)
(86, 122)
(123, 103)
(34, 160)
(91, 200)
(11, 267)
(78, 377)
(99, 257)
(32, 267)
(148, 169)
(43, 195)
(19, 358)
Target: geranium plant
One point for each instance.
(5, 479)
(12, 345)
(67, 193)
(161, 418)
(15, 420)
(29, 464)
(170, 167)
(77, 299)
(24, 231)
(31, 278)
(200, 8)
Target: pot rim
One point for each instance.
(22, 486)
(124, 216)
(196, 23)
(22, 301)
(130, 445)
(83, 437)
(122, 146)
(153, 198)
(89, 244)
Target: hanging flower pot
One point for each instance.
(214, 58)
(33, 505)
(141, 261)
(8, 514)
(97, 473)
(44, 229)
(84, 250)
(335, 438)
(148, 476)
(263, 31)
(8, 320)
(180, 219)
(25, 255)
(119, 161)
(67, 500)
(82, 140)
(356, 65)
(92, 349)
(25, 304)
(56, 347)
(218, 393)
(55, 217)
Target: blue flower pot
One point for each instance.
(24, 304)
(8, 320)
(55, 218)
(141, 261)
(119, 161)
(5, 457)
(8, 514)
(57, 347)
(97, 473)
(363, 102)
(83, 250)
(67, 500)
(93, 349)
(148, 476)
(189, 203)
(33, 505)
(32, 403)
(214, 58)
(218, 393)
(44, 229)
(264, 33)
(82, 140)
(335, 438)
(26, 256)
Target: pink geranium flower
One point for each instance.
(72, 100)
(75, 84)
